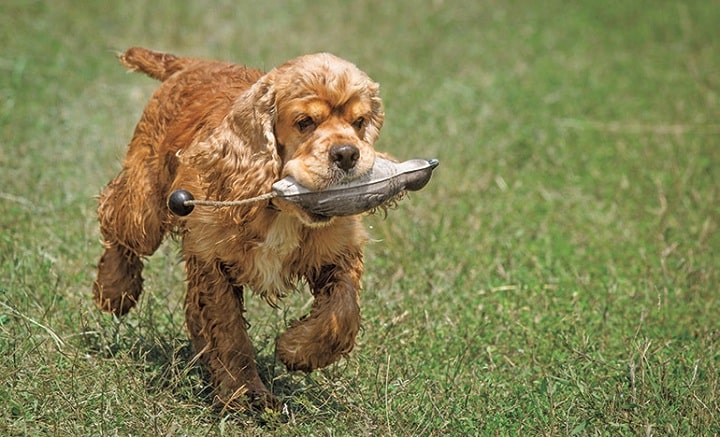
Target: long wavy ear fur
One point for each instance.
(240, 158)
(372, 131)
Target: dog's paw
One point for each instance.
(307, 345)
(119, 281)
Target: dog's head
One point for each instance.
(329, 115)
(319, 116)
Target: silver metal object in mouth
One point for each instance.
(383, 182)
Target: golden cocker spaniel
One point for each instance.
(224, 132)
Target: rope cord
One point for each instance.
(219, 203)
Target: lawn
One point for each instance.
(558, 276)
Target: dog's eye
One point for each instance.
(305, 124)
(359, 123)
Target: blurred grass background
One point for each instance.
(558, 276)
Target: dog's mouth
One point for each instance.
(336, 176)
(317, 202)
(319, 175)
(386, 181)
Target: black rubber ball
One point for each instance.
(176, 202)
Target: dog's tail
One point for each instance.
(157, 65)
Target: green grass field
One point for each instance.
(558, 276)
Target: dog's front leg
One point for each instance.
(328, 332)
(214, 314)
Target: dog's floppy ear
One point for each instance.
(377, 114)
(254, 115)
(239, 159)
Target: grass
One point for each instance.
(558, 276)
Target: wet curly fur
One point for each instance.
(224, 132)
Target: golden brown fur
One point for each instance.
(228, 132)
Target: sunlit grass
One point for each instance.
(558, 276)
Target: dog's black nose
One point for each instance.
(344, 155)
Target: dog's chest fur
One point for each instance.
(274, 256)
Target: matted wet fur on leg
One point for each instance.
(228, 132)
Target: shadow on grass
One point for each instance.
(169, 367)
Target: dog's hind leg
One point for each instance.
(133, 221)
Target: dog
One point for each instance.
(224, 132)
